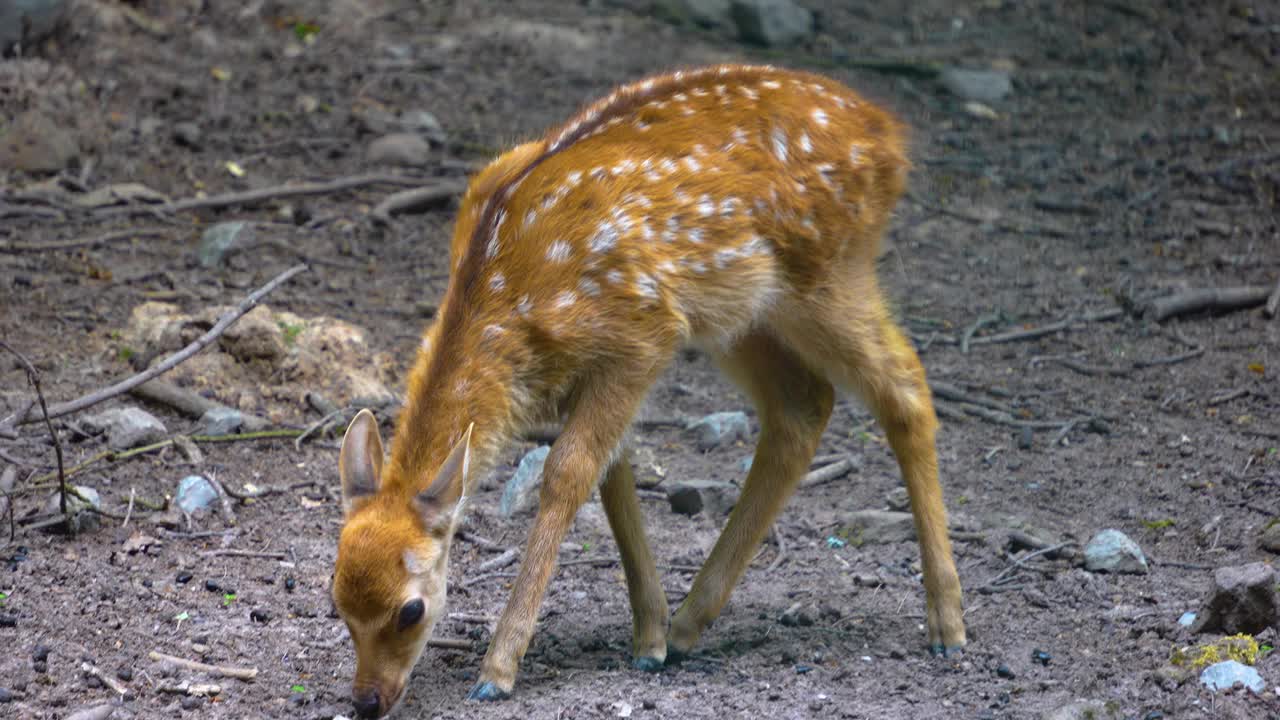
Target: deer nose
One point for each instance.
(366, 703)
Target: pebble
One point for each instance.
(260, 616)
(718, 429)
(1041, 656)
(1113, 551)
(5, 695)
(195, 493)
(221, 421)
(127, 427)
(1026, 438)
(1269, 539)
(41, 653)
(1004, 672)
(220, 239)
(879, 526)
(1241, 599)
(191, 702)
(212, 586)
(125, 674)
(1225, 675)
(1186, 619)
(290, 584)
(986, 86)
(519, 489)
(183, 578)
(771, 22)
(187, 134)
(406, 148)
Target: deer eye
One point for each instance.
(411, 613)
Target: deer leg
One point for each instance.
(794, 405)
(644, 587)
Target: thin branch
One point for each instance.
(250, 197)
(244, 554)
(168, 364)
(1211, 299)
(34, 378)
(414, 199)
(17, 247)
(827, 473)
(215, 670)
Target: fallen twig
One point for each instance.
(451, 643)
(967, 337)
(17, 247)
(782, 547)
(133, 493)
(215, 670)
(168, 364)
(1033, 333)
(1020, 562)
(1273, 302)
(1227, 396)
(34, 378)
(500, 561)
(189, 403)
(243, 495)
(1210, 299)
(245, 554)
(297, 442)
(7, 479)
(828, 473)
(414, 199)
(955, 394)
(250, 197)
(106, 679)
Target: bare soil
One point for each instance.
(1135, 157)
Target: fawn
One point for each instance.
(734, 208)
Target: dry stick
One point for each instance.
(1211, 299)
(169, 363)
(969, 332)
(1033, 333)
(215, 670)
(450, 643)
(782, 547)
(414, 199)
(105, 678)
(243, 495)
(7, 479)
(255, 196)
(17, 247)
(500, 561)
(1005, 419)
(133, 491)
(1227, 396)
(827, 474)
(955, 394)
(244, 553)
(297, 442)
(1020, 562)
(1273, 302)
(34, 378)
(188, 403)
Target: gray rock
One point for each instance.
(690, 497)
(126, 428)
(1186, 619)
(221, 421)
(423, 123)
(36, 143)
(195, 493)
(898, 500)
(770, 22)
(217, 240)
(188, 134)
(981, 85)
(1113, 551)
(719, 429)
(1242, 599)
(1225, 675)
(1269, 539)
(82, 521)
(709, 13)
(1079, 710)
(256, 336)
(408, 149)
(28, 21)
(516, 494)
(880, 526)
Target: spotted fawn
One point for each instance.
(733, 208)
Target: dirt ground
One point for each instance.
(1135, 157)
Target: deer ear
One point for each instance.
(360, 461)
(441, 503)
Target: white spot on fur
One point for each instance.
(698, 267)
(855, 154)
(565, 299)
(646, 286)
(529, 217)
(589, 287)
(719, 89)
(425, 345)
(606, 237)
(748, 92)
(739, 136)
(680, 97)
(524, 306)
(729, 206)
(623, 167)
(672, 228)
(641, 125)
(698, 92)
(771, 84)
(559, 251)
(667, 267)
(779, 138)
(686, 110)
(614, 276)
(706, 206)
(491, 332)
(819, 116)
(694, 235)
(805, 145)
(497, 282)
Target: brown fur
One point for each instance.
(736, 208)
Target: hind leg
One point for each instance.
(846, 331)
(794, 405)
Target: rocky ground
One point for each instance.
(1104, 159)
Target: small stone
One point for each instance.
(259, 616)
(708, 13)
(5, 695)
(218, 240)
(127, 427)
(29, 21)
(1225, 675)
(718, 429)
(83, 520)
(770, 22)
(1041, 656)
(195, 493)
(191, 702)
(408, 149)
(183, 578)
(690, 497)
(257, 336)
(212, 586)
(1003, 671)
(986, 86)
(1270, 538)
(8, 621)
(797, 616)
(1186, 619)
(528, 474)
(1079, 710)
(898, 500)
(1242, 599)
(221, 421)
(40, 666)
(187, 134)
(125, 674)
(879, 526)
(41, 653)
(425, 124)
(1026, 438)
(290, 584)
(1113, 551)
